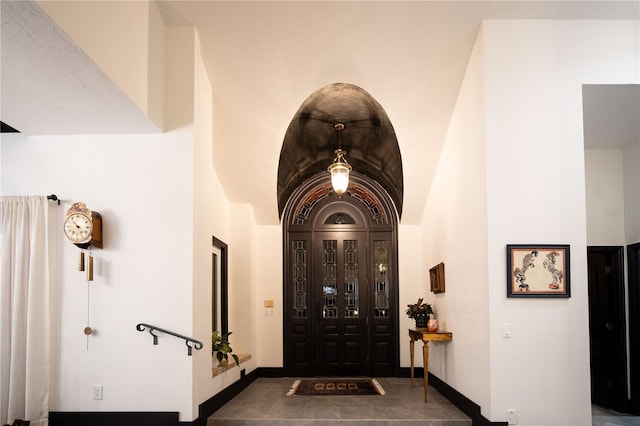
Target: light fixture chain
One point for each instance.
(339, 128)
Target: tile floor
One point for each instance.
(265, 402)
(604, 417)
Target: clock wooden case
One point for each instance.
(96, 233)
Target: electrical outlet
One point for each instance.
(512, 416)
(97, 392)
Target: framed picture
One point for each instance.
(535, 270)
(436, 274)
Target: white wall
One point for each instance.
(536, 184)
(242, 281)
(125, 39)
(413, 283)
(605, 197)
(613, 195)
(267, 266)
(455, 232)
(631, 156)
(144, 273)
(211, 212)
(150, 189)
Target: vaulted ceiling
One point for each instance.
(368, 138)
(264, 59)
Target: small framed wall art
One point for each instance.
(436, 274)
(538, 270)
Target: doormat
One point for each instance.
(336, 387)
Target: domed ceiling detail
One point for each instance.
(368, 137)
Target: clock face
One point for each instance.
(78, 228)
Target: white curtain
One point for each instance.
(25, 311)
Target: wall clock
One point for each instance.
(83, 227)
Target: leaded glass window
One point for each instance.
(329, 280)
(381, 272)
(351, 290)
(300, 282)
(339, 219)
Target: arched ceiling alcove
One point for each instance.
(368, 137)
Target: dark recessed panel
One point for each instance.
(329, 328)
(382, 328)
(300, 329)
(352, 353)
(382, 352)
(351, 329)
(330, 352)
(300, 352)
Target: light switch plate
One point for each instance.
(506, 330)
(97, 392)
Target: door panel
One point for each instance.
(384, 338)
(299, 332)
(607, 333)
(633, 263)
(341, 335)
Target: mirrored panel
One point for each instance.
(219, 290)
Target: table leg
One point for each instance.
(425, 361)
(411, 347)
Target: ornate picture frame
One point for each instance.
(436, 275)
(538, 270)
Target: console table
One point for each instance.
(426, 336)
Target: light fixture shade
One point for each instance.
(339, 171)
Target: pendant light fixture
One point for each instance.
(340, 168)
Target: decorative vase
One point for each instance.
(432, 324)
(421, 321)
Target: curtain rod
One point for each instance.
(53, 197)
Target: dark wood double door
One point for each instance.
(339, 279)
(341, 300)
